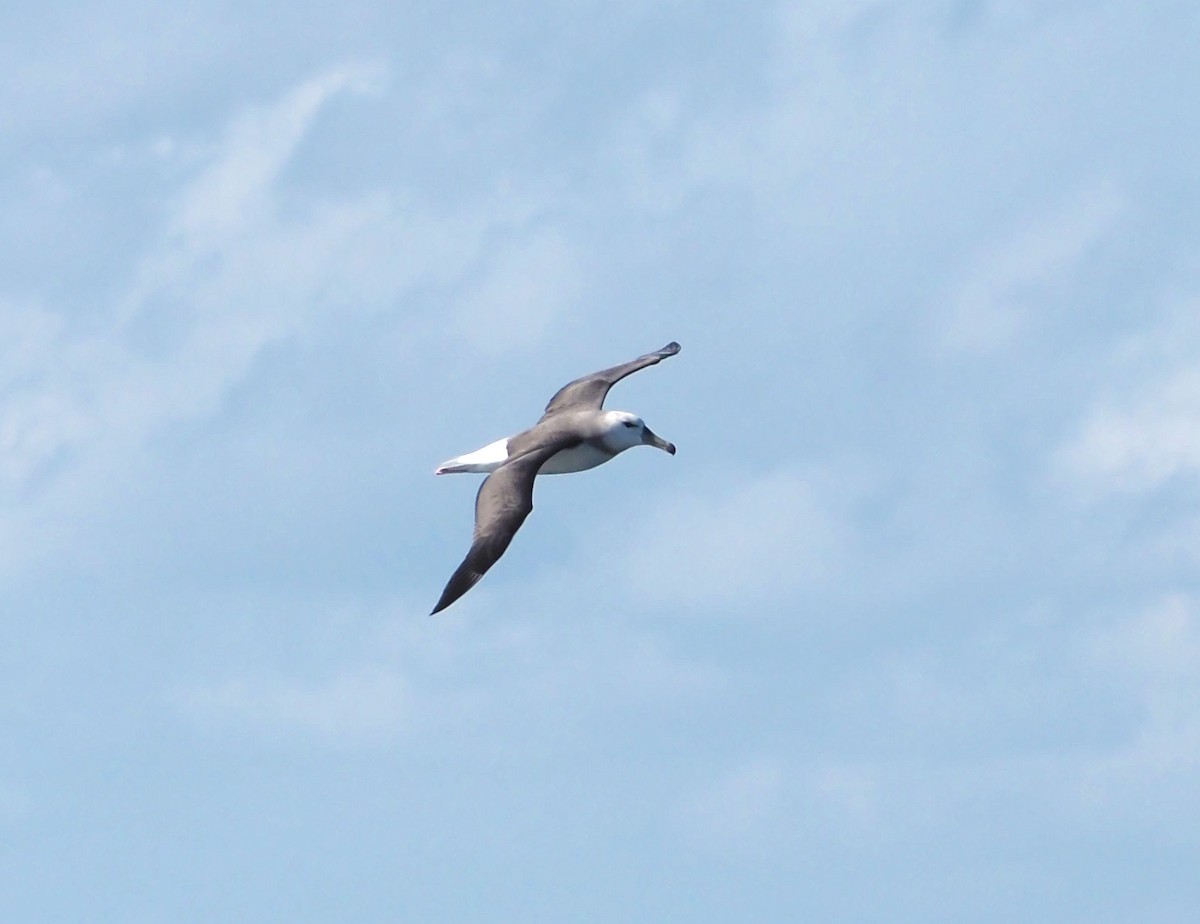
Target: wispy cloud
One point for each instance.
(233, 193)
(748, 545)
(900, 242)
(1139, 446)
(527, 285)
(1008, 285)
(456, 685)
(1068, 714)
(788, 802)
(368, 705)
(1143, 428)
(1155, 656)
(80, 398)
(932, 752)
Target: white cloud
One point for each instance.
(33, 423)
(79, 398)
(100, 61)
(1152, 657)
(772, 801)
(1144, 427)
(740, 545)
(528, 284)
(787, 195)
(1144, 443)
(367, 705)
(213, 301)
(451, 683)
(244, 262)
(1156, 653)
(232, 194)
(996, 718)
(1003, 288)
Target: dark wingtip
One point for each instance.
(462, 580)
(444, 601)
(670, 349)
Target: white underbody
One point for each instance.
(607, 434)
(579, 459)
(493, 455)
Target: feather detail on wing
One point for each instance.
(505, 499)
(591, 390)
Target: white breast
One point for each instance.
(577, 459)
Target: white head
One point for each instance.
(627, 430)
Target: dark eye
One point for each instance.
(629, 423)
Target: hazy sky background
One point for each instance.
(908, 631)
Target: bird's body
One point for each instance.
(574, 434)
(602, 435)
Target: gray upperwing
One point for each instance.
(590, 391)
(563, 430)
(504, 500)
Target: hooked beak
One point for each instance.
(650, 438)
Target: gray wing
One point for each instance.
(591, 390)
(505, 499)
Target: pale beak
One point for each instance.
(650, 438)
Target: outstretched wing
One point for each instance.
(591, 390)
(505, 499)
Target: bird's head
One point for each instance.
(626, 430)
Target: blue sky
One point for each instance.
(909, 630)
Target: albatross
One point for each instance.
(574, 434)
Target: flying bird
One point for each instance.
(574, 434)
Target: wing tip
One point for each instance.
(671, 349)
(447, 598)
(460, 582)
